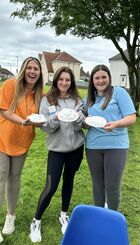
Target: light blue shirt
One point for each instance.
(120, 105)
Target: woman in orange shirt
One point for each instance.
(18, 98)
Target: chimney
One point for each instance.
(57, 51)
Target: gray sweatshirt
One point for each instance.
(63, 136)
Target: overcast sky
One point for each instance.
(20, 39)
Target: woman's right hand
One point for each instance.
(27, 122)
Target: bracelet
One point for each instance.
(22, 123)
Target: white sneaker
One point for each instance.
(9, 225)
(1, 238)
(105, 206)
(35, 231)
(64, 219)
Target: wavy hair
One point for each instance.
(21, 82)
(54, 93)
(92, 92)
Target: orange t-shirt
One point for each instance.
(15, 139)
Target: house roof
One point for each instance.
(4, 71)
(118, 56)
(58, 56)
(83, 73)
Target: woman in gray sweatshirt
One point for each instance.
(65, 141)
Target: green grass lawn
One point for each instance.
(33, 180)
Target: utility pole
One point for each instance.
(9, 66)
(17, 65)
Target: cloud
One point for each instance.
(20, 39)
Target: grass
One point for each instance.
(33, 180)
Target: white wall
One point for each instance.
(75, 67)
(44, 70)
(119, 73)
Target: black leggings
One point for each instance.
(70, 161)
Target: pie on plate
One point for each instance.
(96, 121)
(68, 115)
(37, 118)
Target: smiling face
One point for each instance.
(101, 81)
(63, 83)
(32, 74)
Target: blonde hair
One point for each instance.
(21, 82)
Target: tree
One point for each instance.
(111, 19)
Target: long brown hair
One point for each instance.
(92, 92)
(21, 82)
(53, 93)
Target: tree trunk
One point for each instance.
(134, 82)
(138, 90)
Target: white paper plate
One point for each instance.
(37, 118)
(96, 121)
(68, 115)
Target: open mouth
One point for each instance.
(32, 77)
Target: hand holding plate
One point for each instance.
(96, 121)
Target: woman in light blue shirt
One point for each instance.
(107, 147)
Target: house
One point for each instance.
(4, 73)
(52, 61)
(84, 75)
(119, 71)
